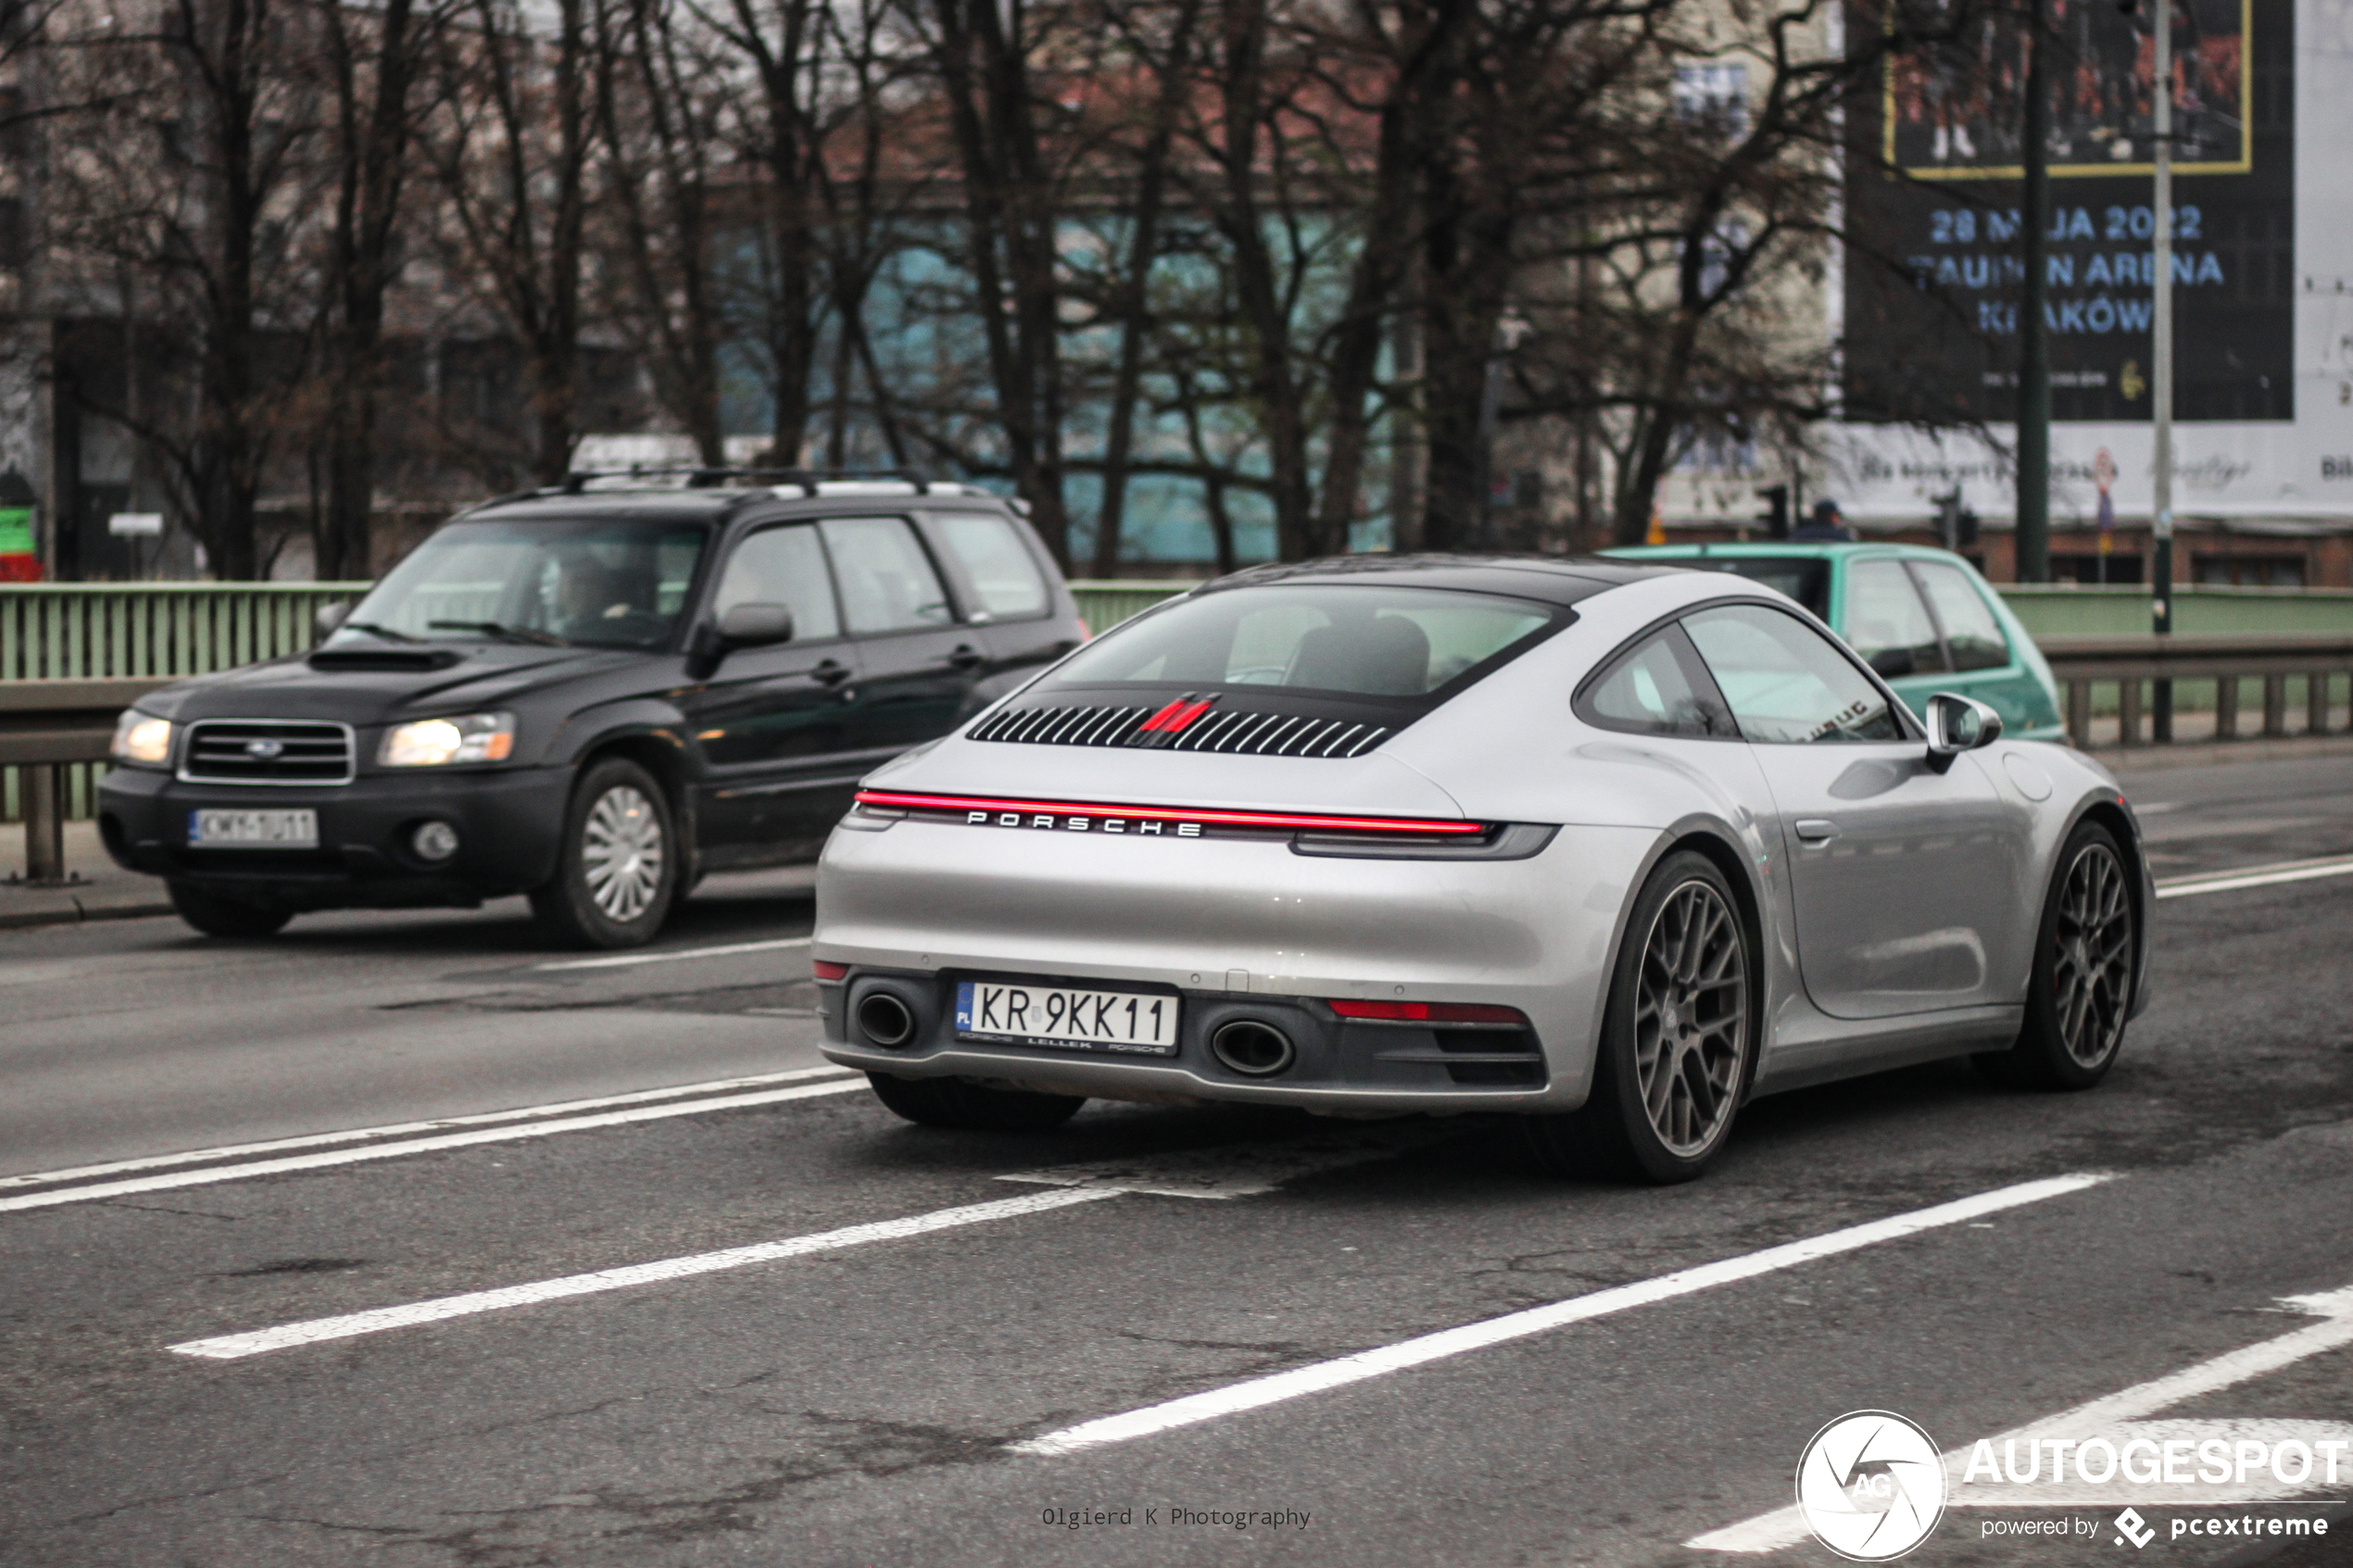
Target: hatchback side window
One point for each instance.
(1970, 630)
(887, 583)
(1657, 687)
(1003, 576)
(782, 566)
(1787, 684)
(1886, 622)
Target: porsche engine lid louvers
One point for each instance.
(1188, 722)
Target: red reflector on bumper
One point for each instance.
(1431, 1012)
(1301, 820)
(825, 970)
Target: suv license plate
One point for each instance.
(253, 829)
(1126, 1021)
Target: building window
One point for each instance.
(1715, 93)
(2097, 569)
(2246, 571)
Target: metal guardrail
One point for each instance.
(43, 726)
(2131, 663)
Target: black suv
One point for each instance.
(592, 694)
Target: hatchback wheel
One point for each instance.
(216, 915)
(2081, 988)
(617, 869)
(1676, 1038)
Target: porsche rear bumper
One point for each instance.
(1236, 928)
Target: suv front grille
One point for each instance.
(268, 751)
(1232, 731)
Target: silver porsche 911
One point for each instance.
(1610, 848)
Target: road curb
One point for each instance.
(76, 910)
(2208, 754)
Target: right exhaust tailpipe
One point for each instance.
(885, 1020)
(1252, 1049)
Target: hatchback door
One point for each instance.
(1903, 879)
(773, 724)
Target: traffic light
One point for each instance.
(1775, 516)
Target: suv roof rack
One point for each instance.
(702, 478)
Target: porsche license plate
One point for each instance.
(253, 829)
(1125, 1021)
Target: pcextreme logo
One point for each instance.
(1870, 1486)
(2131, 1527)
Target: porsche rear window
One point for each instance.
(1359, 640)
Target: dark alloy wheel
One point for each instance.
(216, 915)
(952, 1102)
(617, 869)
(1675, 1042)
(2082, 989)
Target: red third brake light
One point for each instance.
(1431, 1012)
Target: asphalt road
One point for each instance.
(860, 1398)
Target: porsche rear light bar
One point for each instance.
(1430, 1012)
(1302, 821)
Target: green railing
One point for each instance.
(77, 630)
(70, 631)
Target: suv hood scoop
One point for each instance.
(401, 659)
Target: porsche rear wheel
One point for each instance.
(2081, 987)
(1675, 1042)
(951, 1102)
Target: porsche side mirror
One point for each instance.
(1958, 723)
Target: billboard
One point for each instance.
(1932, 283)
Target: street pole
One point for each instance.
(2161, 367)
(2033, 539)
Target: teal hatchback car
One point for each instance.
(1922, 618)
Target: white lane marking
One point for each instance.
(232, 1347)
(1238, 1171)
(1380, 1361)
(2254, 876)
(625, 960)
(1785, 1527)
(325, 1158)
(405, 1129)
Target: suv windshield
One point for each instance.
(1360, 640)
(590, 583)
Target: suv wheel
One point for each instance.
(216, 915)
(617, 869)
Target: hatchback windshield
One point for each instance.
(1805, 579)
(590, 583)
(1358, 639)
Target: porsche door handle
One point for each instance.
(1815, 830)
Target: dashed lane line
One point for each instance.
(232, 1346)
(410, 1129)
(328, 1157)
(1179, 1173)
(2254, 876)
(1321, 1376)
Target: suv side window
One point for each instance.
(1786, 683)
(1658, 687)
(1970, 630)
(1886, 622)
(887, 583)
(782, 566)
(1003, 576)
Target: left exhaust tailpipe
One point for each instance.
(885, 1020)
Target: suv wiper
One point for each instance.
(386, 632)
(504, 634)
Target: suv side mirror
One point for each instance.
(331, 617)
(1958, 723)
(755, 625)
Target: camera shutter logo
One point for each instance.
(1870, 1486)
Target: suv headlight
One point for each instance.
(141, 737)
(432, 743)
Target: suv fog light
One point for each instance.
(433, 841)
